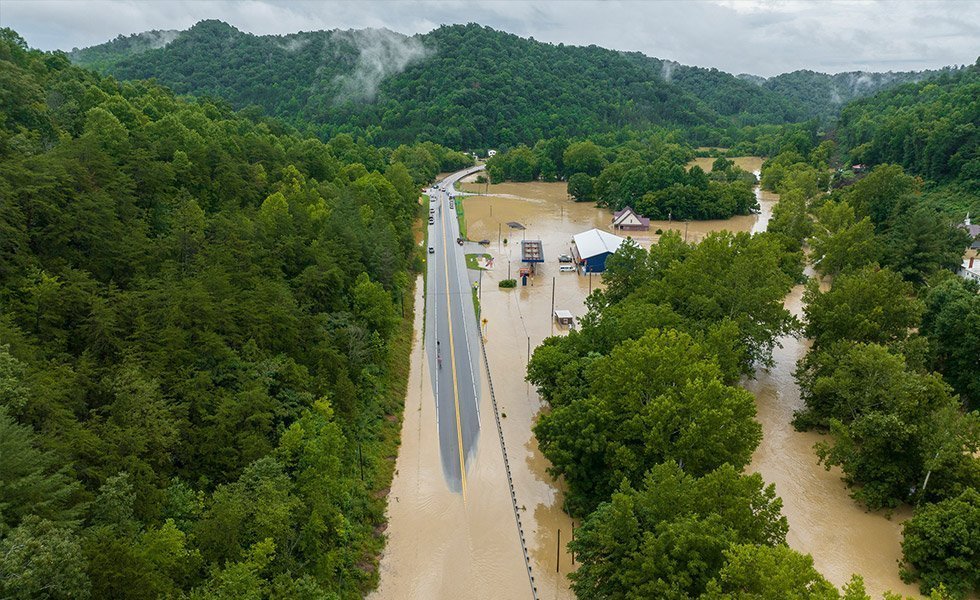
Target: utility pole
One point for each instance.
(573, 539)
(552, 305)
(558, 552)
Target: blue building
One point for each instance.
(593, 247)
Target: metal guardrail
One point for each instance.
(510, 479)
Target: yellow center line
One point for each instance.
(452, 353)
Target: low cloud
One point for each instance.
(381, 53)
(762, 37)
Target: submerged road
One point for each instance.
(451, 336)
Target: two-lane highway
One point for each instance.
(451, 331)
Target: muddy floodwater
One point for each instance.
(439, 547)
(823, 519)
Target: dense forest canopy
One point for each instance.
(202, 344)
(822, 95)
(931, 128)
(464, 86)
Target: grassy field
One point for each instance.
(471, 261)
(460, 217)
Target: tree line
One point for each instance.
(648, 173)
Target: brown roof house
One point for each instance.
(628, 220)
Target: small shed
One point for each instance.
(564, 317)
(593, 247)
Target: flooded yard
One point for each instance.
(440, 548)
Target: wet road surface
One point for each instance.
(451, 331)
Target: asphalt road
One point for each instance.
(451, 338)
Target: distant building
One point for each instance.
(970, 269)
(628, 220)
(491, 153)
(591, 249)
(973, 230)
(858, 168)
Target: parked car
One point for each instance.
(432, 221)
(566, 268)
(432, 250)
(564, 258)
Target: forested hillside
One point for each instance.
(201, 343)
(463, 86)
(821, 95)
(930, 128)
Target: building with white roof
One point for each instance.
(593, 247)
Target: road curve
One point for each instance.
(451, 336)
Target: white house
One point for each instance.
(628, 220)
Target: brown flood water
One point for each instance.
(439, 548)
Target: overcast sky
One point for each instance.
(764, 37)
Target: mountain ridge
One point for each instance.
(466, 86)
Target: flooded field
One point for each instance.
(439, 548)
(752, 164)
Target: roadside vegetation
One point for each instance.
(472, 261)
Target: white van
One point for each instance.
(566, 268)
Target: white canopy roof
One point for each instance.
(595, 242)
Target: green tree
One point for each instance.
(840, 243)
(39, 559)
(757, 572)
(653, 399)
(951, 322)
(869, 305)
(584, 157)
(32, 481)
(668, 537)
(941, 545)
(580, 186)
